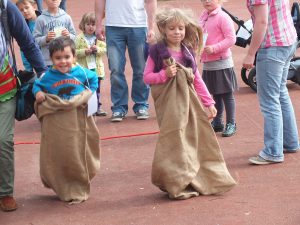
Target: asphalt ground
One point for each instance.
(122, 193)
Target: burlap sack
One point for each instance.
(187, 160)
(69, 151)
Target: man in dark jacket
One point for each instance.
(8, 88)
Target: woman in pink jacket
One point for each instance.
(218, 73)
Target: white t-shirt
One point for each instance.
(125, 13)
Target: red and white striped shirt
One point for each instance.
(281, 30)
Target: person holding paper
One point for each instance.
(52, 23)
(218, 73)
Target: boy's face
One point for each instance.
(63, 60)
(52, 4)
(28, 10)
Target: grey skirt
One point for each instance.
(220, 81)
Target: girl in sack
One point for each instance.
(187, 160)
(69, 151)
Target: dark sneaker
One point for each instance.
(258, 160)
(101, 112)
(142, 114)
(217, 127)
(117, 117)
(8, 204)
(229, 130)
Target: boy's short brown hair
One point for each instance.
(32, 2)
(60, 43)
(87, 18)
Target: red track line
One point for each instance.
(102, 139)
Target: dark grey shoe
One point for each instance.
(142, 114)
(217, 127)
(117, 117)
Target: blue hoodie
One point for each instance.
(66, 85)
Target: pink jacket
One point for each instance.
(221, 34)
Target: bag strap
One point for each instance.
(87, 87)
(8, 37)
(296, 11)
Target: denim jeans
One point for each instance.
(117, 39)
(7, 121)
(280, 128)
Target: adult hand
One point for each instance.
(151, 37)
(248, 62)
(100, 32)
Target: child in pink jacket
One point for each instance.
(218, 73)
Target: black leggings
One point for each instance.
(228, 101)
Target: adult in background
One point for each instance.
(21, 33)
(274, 39)
(126, 24)
(62, 5)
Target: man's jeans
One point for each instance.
(117, 38)
(7, 121)
(280, 128)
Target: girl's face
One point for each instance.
(175, 33)
(28, 10)
(89, 28)
(210, 5)
(63, 60)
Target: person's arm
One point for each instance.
(71, 29)
(202, 90)
(228, 31)
(101, 48)
(153, 78)
(39, 36)
(80, 50)
(21, 33)
(259, 32)
(100, 13)
(150, 7)
(93, 80)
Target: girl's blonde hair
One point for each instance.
(193, 32)
(32, 2)
(87, 18)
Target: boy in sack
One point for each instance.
(69, 151)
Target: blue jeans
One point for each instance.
(117, 39)
(280, 128)
(7, 172)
